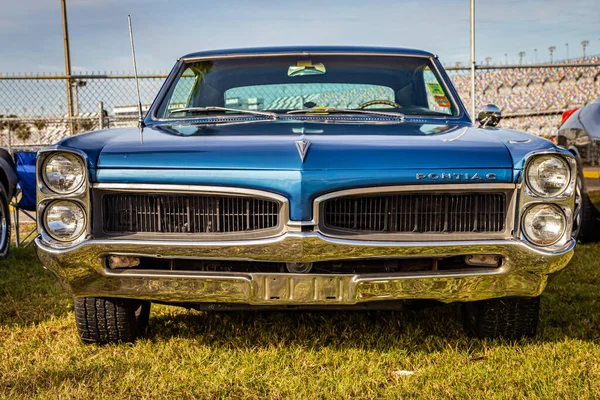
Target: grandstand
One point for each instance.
(538, 95)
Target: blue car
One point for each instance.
(309, 177)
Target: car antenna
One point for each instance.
(137, 84)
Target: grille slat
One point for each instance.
(417, 213)
(187, 213)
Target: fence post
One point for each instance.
(9, 138)
(100, 115)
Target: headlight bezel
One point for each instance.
(70, 155)
(79, 205)
(565, 200)
(46, 196)
(564, 230)
(567, 191)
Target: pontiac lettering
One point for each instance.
(455, 176)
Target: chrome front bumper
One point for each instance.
(83, 272)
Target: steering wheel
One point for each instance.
(375, 102)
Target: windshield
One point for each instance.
(409, 85)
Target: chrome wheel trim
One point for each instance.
(3, 228)
(578, 207)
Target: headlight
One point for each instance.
(548, 175)
(64, 220)
(63, 173)
(544, 224)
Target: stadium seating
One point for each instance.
(531, 90)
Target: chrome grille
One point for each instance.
(417, 213)
(187, 213)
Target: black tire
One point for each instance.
(4, 224)
(584, 225)
(103, 321)
(508, 318)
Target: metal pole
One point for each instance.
(473, 60)
(9, 137)
(100, 115)
(67, 65)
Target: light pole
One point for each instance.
(567, 46)
(552, 49)
(584, 44)
(65, 28)
(488, 60)
(521, 55)
(535, 51)
(473, 60)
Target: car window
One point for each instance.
(289, 96)
(183, 90)
(407, 84)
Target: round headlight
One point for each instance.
(548, 175)
(64, 220)
(544, 224)
(63, 173)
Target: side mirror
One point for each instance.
(489, 116)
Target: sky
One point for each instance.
(31, 31)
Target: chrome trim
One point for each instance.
(301, 223)
(508, 188)
(302, 54)
(83, 272)
(565, 200)
(489, 116)
(45, 196)
(455, 138)
(168, 188)
(302, 147)
(282, 226)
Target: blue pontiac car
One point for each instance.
(310, 177)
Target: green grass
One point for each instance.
(190, 354)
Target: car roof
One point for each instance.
(308, 50)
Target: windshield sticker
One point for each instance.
(442, 101)
(435, 89)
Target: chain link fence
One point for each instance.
(35, 109)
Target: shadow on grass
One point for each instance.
(570, 309)
(427, 330)
(28, 293)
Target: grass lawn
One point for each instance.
(190, 354)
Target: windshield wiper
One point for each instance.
(332, 110)
(225, 109)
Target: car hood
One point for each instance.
(274, 146)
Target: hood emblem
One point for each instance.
(302, 146)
